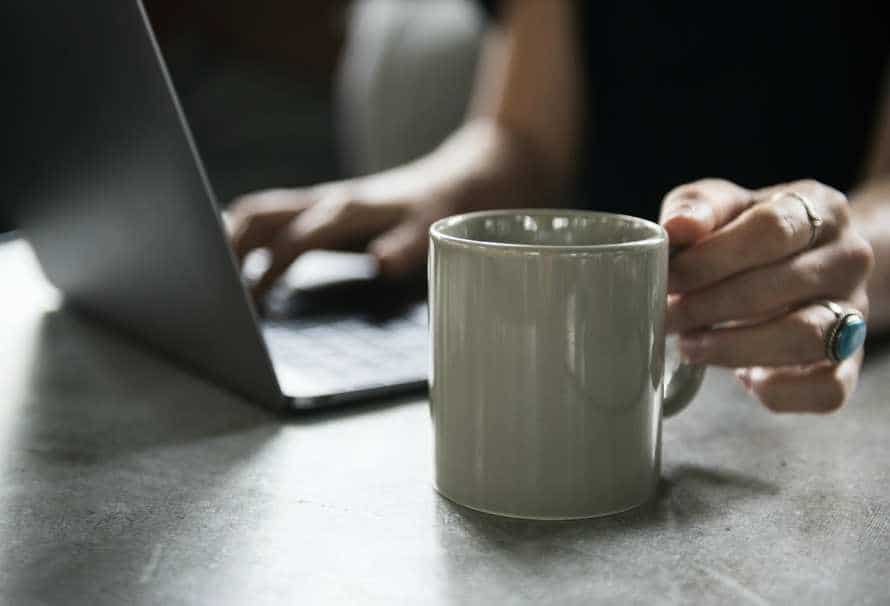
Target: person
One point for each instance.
(672, 110)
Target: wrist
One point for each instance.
(486, 165)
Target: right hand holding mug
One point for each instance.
(770, 282)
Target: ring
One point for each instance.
(812, 216)
(846, 335)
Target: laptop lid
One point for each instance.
(111, 193)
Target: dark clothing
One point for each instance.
(755, 92)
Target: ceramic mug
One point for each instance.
(547, 385)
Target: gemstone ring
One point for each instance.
(846, 335)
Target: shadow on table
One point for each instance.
(688, 496)
(93, 395)
(105, 452)
(355, 409)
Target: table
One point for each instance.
(126, 480)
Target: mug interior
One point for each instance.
(548, 228)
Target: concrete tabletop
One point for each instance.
(126, 480)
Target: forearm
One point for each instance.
(480, 166)
(519, 144)
(870, 204)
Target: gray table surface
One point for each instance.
(126, 480)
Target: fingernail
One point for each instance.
(690, 210)
(678, 211)
(687, 209)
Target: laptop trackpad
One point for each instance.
(333, 326)
(323, 283)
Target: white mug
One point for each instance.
(547, 385)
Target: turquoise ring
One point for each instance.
(846, 335)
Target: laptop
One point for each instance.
(110, 191)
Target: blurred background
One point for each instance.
(281, 93)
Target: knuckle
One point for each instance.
(839, 211)
(777, 227)
(849, 264)
(817, 189)
(714, 183)
(839, 206)
(810, 185)
(839, 220)
(343, 205)
(832, 200)
(349, 205)
(860, 256)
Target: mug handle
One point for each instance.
(682, 384)
(680, 387)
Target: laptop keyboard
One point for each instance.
(333, 355)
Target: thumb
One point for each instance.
(401, 249)
(690, 212)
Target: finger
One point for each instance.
(256, 218)
(256, 232)
(402, 249)
(333, 224)
(830, 272)
(820, 388)
(312, 229)
(282, 253)
(774, 228)
(832, 202)
(795, 338)
(692, 211)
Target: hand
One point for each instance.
(388, 214)
(744, 286)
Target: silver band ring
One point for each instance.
(846, 335)
(812, 216)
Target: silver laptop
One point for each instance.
(111, 193)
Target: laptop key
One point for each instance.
(351, 353)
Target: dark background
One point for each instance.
(255, 80)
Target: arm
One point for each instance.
(870, 206)
(516, 148)
(871, 216)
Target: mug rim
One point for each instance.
(436, 232)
